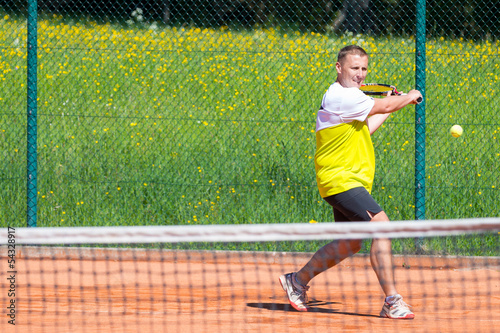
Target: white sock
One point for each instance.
(390, 299)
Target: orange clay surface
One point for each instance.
(71, 290)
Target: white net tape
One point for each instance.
(252, 232)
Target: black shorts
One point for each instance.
(353, 205)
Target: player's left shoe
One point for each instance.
(396, 309)
(296, 293)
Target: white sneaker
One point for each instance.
(296, 293)
(397, 309)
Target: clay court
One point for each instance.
(93, 290)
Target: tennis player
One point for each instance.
(345, 167)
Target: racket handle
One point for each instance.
(419, 100)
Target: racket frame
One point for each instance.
(389, 88)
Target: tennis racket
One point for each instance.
(379, 89)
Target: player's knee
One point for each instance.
(378, 217)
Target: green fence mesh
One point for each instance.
(199, 112)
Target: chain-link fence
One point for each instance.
(176, 112)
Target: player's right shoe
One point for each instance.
(295, 292)
(396, 309)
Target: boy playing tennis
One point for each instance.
(345, 167)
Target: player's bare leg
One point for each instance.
(326, 257)
(295, 284)
(381, 259)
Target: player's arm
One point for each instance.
(375, 121)
(391, 104)
(385, 106)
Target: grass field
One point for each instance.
(144, 125)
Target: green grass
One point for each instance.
(141, 126)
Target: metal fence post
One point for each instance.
(31, 194)
(420, 116)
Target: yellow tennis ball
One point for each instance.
(456, 130)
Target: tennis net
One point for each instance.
(224, 278)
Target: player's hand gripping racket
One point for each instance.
(379, 89)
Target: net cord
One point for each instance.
(249, 232)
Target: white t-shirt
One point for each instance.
(343, 105)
